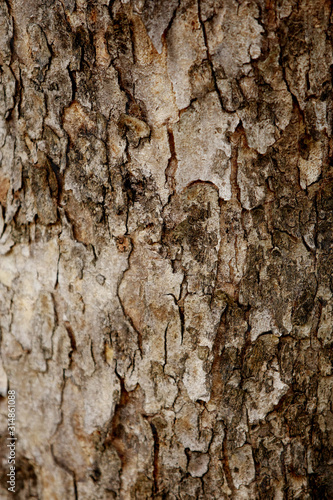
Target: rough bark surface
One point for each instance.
(166, 248)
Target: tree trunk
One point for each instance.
(166, 248)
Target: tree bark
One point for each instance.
(166, 248)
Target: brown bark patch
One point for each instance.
(4, 186)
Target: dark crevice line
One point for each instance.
(209, 58)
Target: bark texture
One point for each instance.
(166, 248)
